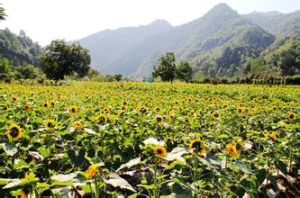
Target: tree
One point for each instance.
(2, 13)
(184, 71)
(93, 73)
(166, 68)
(5, 68)
(118, 77)
(60, 59)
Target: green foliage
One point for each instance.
(184, 71)
(281, 60)
(149, 140)
(225, 61)
(207, 37)
(93, 73)
(293, 80)
(19, 49)
(29, 72)
(5, 66)
(117, 77)
(2, 13)
(166, 68)
(61, 59)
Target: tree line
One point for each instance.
(168, 70)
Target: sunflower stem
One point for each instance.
(96, 187)
(91, 188)
(195, 174)
(155, 179)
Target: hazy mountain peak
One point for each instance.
(160, 22)
(222, 9)
(222, 37)
(270, 13)
(277, 23)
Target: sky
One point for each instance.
(46, 20)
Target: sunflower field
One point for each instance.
(90, 139)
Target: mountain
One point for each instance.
(220, 29)
(108, 45)
(282, 59)
(19, 49)
(277, 23)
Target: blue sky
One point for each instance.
(45, 20)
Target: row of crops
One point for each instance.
(149, 140)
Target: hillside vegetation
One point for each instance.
(220, 45)
(219, 29)
(19, 49)
(277, 23)
(282, 60)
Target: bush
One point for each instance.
(293, 80)
(29, 72)
(5, 69)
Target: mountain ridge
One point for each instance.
(220, 28)
(277, 23)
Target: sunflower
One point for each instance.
(124, 103)
(158, 119)
(160, 151)
(73, 109)
(232, 151)
(91, 171)
(50, 124)
(291, 116)
(216, 115)
(157, 109)
(240, 110)
(101, 119)
(22, 193)
(197, 146)
(191, 113)
(4, 108)
(239, 144)
(78, 125)
(29, 177)
(273, 136)
(52, 104)
(143, 110)
(26, 107)
(14, 132)
(121, 113)
(171, 117)
(45, 104)
(106, 110)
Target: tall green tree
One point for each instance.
(61, 59)
(166, 68)
(184, 71)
